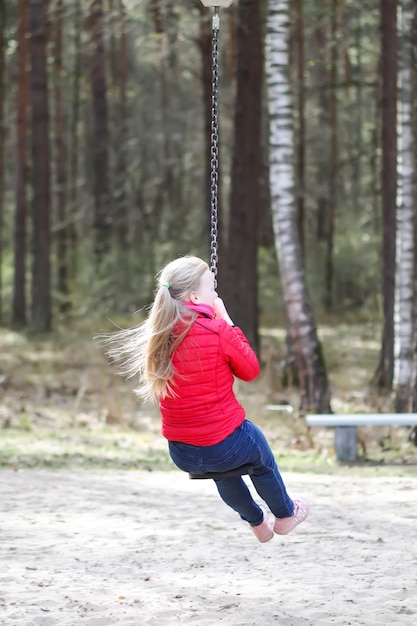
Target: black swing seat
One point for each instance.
(238, 471)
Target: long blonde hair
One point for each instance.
(145, 351)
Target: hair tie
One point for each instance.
(167, 285)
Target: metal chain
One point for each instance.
(214, 167)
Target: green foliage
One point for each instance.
(270, 303)
(358, 272)
(164, 155)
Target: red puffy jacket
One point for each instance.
(205, 410)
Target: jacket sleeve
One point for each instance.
(238, 353)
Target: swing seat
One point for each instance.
(238, 471)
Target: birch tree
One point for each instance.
(315, 392)
(405, 243)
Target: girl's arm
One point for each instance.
(236, 348)
(221, 312)
(238, 353)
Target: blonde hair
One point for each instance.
(146, 350)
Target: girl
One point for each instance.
(186, 355)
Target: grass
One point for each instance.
(81, 449)
(63, 406)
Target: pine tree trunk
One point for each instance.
(389, 70)
(301, 130)
(322, 152)
(40, 320)
(245, 205)
(359, 106)
(119, 131)
(73, 156)
(60, 158)
(22, 131)
(406, 221)
(171, 162)
(121, 135)
(2, 137)
(333, 167)
(315, 393)
(413, 432)
(102, 222)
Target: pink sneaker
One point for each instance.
(264, 531)
(284, 525)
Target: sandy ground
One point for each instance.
(134, 548)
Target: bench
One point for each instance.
(346, 428)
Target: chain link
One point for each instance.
(214, 165)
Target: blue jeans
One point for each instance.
(247, 444)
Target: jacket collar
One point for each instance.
(203, 309)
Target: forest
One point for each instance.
(136, 131)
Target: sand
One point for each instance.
(134, 548)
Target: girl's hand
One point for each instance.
(221, 312)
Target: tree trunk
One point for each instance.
(164, 19)
(359, 106)
(60, 157)
(301, 129)
(112, 27)
(322, 153)
(246, 200)
(413, 432)
(41, 300)
(406, 220)
(100, 137)
(389, 70)
(122, 137)
(2, 137)
(315, 393)
(73, 156)
(333, 167)
(119, 132)
(22, 131)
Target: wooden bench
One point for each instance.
(346, 428)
